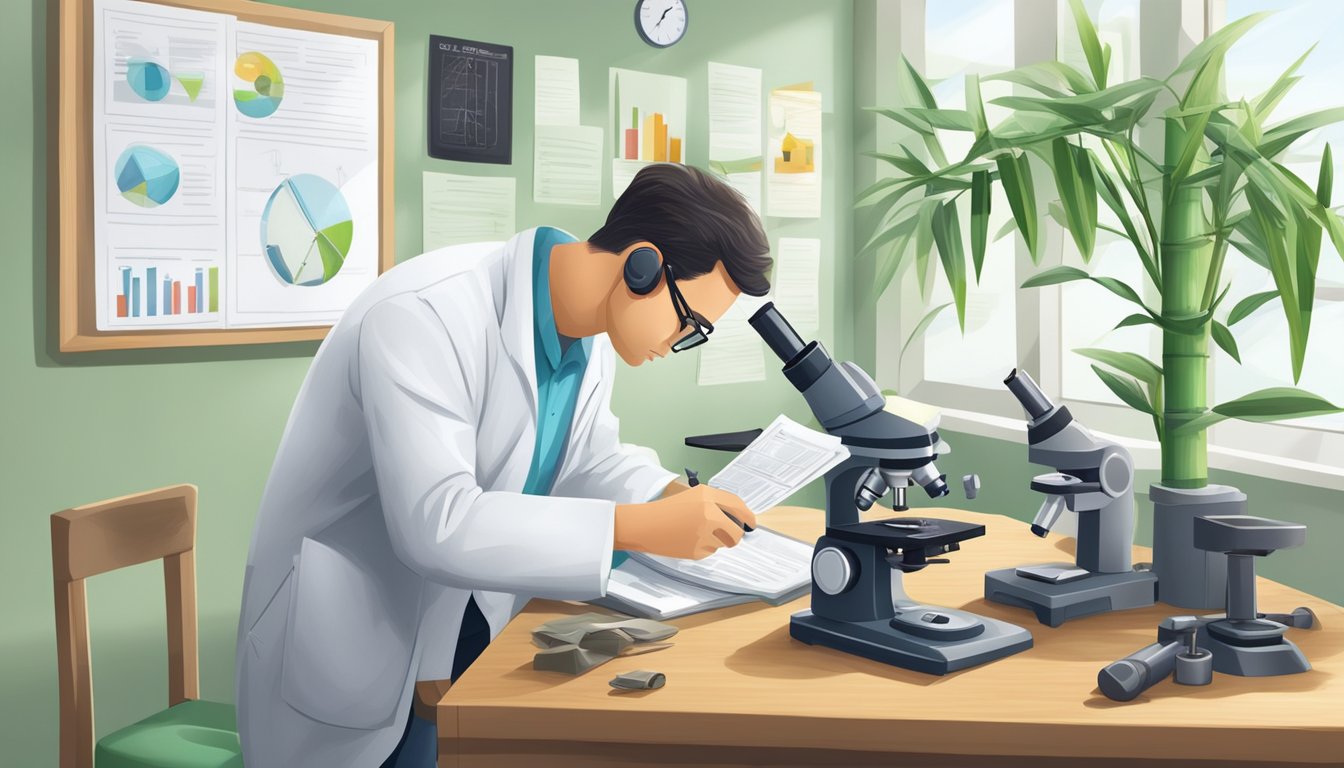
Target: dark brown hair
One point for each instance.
(695, 220)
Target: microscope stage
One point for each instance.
(1056, 603)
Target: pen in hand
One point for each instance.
(693, 479)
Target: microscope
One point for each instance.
(1241, 641)
(858, 602)
(1094, 478)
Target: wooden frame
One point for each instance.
(72, 163)
(102, 537)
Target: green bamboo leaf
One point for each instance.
(947, 236)
(1223, 336)
(1087, 35)
(905, 118)
(1325, 181)
(1206, 87)
(888, 234)
(1119, 289)
(911, 86)
(1135, 319)
(1078, 114)
(1283, 269)
(1050, 74)
(1015, 175)
(1131, 363)
(1217, 44)
(880, 190)
(924, 245)
(1077, 193)
(1194, 141)
(1247, 306)
(891, 261)
(1265, 103)
(907, 165)
(1110, 194)
(1278, 138)
(1126, 389)
(975, 105)
(1055, 275)
(920, 328)
(945, 119)
(981, 192)
(1273, 404)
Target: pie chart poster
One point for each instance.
(470, 101)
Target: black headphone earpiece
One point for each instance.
(643, 269)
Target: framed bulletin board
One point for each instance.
(223, 171)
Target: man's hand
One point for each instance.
(689, 524)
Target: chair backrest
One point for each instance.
(101, 537)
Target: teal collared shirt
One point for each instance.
(560, 365)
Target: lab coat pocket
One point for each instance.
(351, 637)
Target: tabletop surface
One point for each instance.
(734, 676)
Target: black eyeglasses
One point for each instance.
(700, 327)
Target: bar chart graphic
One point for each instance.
(649, 140)
(160, 292)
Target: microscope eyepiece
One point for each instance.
(1026, 391)
(778, 334)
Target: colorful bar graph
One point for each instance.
(152, 292)
(152, 296)
(649, 139)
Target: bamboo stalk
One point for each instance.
(1186, 256)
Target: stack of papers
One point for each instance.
(765, 565)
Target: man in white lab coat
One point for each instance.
(452, 454)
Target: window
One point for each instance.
(1039, 328)
(961, 38)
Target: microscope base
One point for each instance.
(879, 641)
(1280, 658)
(1055, 604)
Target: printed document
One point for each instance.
(786, 457)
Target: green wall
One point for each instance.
(78, 428)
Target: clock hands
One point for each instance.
(664, 16)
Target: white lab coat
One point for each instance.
(396, 494)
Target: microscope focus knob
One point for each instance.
(833, 570)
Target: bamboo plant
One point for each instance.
(1219, 185)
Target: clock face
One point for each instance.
(660, 22)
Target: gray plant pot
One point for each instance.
(1189, 577)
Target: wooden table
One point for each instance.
(740, 691)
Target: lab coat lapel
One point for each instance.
(516, 327)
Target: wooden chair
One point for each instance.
(101, 537)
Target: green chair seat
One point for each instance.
(193, 734)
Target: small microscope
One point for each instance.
(858, 603)
(1094, 478)
(1241, 641)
